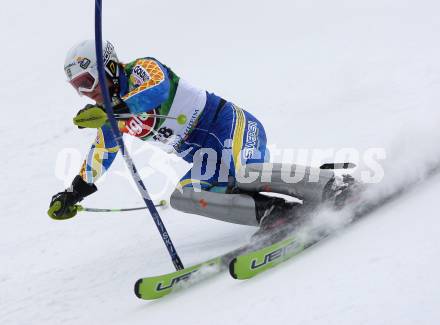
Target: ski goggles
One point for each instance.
(84, 82)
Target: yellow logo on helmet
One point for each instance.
(112, 67)
(83, 62)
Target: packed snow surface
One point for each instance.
(319, 74)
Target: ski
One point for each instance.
(248, 265)
(155, 287)
(251, 263)
(256, 256)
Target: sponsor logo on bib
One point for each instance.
(139, 75)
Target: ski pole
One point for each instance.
(80, 208)
(118, 139)
(181, 118)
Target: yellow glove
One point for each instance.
(91, 116)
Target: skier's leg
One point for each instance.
(207, 197)
(244, 209)
(313, 185)
(234, 208)
(235, 130)
(250, 155)
(305, 183)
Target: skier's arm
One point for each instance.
(100, 156)
(98, 160)
(153, 88)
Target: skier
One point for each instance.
(221, 140)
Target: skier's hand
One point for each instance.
(62, 206)
(91, 116)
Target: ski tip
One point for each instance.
(232, 268)
(137, 288)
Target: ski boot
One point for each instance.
(341, 191)
(275, 216)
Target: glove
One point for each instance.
(62, 206)
(120, 107)
(91, 116)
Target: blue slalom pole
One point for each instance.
(118, 138)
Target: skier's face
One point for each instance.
(96, 94)
(87, 85)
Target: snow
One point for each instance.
(319, 74)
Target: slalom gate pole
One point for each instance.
(118, 138)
